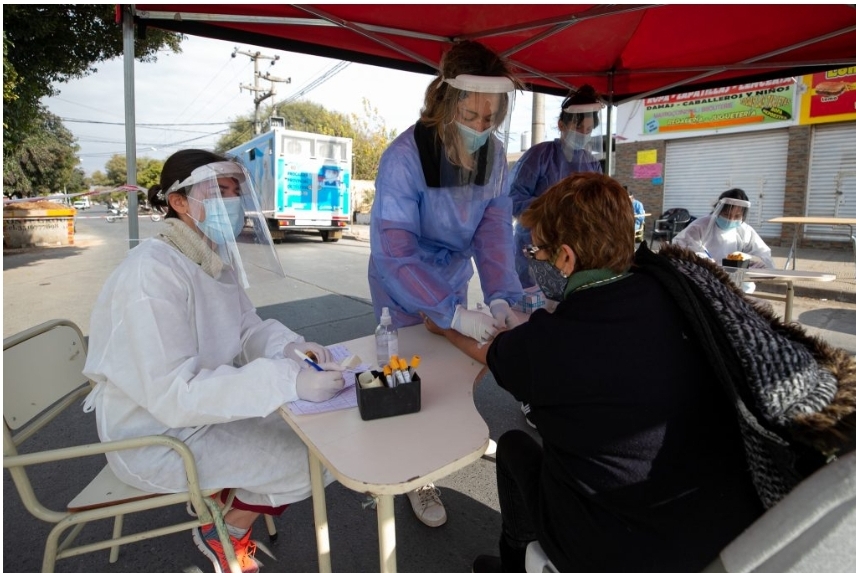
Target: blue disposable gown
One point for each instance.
(537, 170)
(423, 239)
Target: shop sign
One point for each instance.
(829, 96)
(717, 108)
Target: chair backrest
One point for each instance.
(811, 530)
(41, 366)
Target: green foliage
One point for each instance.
(44, 162)
(368, 131)
(148, 171)
(44, 44)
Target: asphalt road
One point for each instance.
(325, 297)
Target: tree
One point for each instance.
(46, 44)
(44, 162)
(369, 132)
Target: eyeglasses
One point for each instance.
(530, 250)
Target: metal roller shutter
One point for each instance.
(832, 179)
(697, 170)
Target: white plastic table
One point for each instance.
(396, 455)
(783, 276)
(792, 255)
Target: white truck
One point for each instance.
(303, 180)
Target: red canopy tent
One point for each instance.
(627, 50)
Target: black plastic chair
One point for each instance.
(669, 224)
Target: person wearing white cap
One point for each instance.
(442, 203)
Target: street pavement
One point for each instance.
(63, 282)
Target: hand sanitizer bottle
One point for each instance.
(386, 338)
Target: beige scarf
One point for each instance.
(192, 246)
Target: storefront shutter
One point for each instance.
(832, 179)
(698, 169)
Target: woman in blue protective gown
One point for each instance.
(441, 202)
(551, 161)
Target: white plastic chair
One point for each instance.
(42, 376)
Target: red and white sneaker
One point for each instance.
(207, 540)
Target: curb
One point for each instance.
(801, 291)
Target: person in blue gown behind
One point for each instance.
(441, 203)
(551, 161)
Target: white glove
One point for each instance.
(318, 352)
(503, 314)
(317, 386)
(474, 324)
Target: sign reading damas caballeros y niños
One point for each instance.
(746, 104)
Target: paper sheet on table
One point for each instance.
(346, 398)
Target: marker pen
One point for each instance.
(309, 361)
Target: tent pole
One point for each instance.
(130, 124)
(610, 160)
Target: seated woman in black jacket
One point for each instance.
(642, 466)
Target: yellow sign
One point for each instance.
(646, 157)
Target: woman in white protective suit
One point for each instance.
(441, 203)
(176, 348)
(725, 231)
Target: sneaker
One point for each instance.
(427, 506)
(487, 564)
(526, 411)
(208, 541)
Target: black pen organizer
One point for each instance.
(383, 402)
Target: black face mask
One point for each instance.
(549, 278)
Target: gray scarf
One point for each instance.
(192, 246)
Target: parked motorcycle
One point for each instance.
(117, 214)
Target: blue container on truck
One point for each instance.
(303, 180)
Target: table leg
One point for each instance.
(853, 240)
(319, 507)
(386, 533)
(789, 301)
(792, 255)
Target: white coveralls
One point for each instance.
(720, 243)
(176, 352)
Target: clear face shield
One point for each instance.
(226, 209)
(727, 215)
(477, 139)
(577, 131)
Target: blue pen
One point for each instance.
(309, 361)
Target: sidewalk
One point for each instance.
(837, 262)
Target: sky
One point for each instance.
(186, 100)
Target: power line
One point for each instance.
(122, 123)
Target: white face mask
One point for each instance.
(574, 140)
(224, 219)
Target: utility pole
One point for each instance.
(259, 95)
(537, 117)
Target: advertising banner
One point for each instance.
(746, 104)
(829, 96)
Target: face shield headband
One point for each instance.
(224, 205)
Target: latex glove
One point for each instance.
(317, 386)
(318, 352)
(474, 324)
(503, 314)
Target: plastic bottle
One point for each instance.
(386, 338)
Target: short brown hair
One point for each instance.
(590, 213)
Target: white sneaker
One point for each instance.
(526, 411)
(427, 506)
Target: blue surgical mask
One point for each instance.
(549, 278)
(224, 219)
(573, 141)
(727, 224)
(473, 140)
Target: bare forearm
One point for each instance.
(467, 345)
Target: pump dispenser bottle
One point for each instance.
(386, 338)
